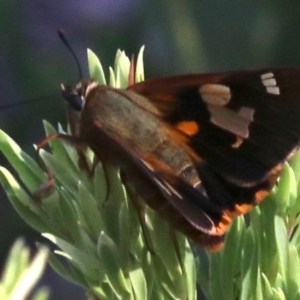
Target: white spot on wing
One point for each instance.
(215, 94)
(246, 113)
(273, 90)
(266, 76)
(234, 122)
(269, 81)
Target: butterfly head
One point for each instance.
(75, 94)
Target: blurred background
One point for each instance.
(190, 36)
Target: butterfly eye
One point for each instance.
(76, 102)
(74, 96)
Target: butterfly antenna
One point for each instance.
(63, 38)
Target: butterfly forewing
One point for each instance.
(243, 137)
(243, 125)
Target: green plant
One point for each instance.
(20, 273)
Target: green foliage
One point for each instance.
(21, 273)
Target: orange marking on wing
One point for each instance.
(228, 215)
(261, 195)
(241, 209)
(223, 225)
(188, 127)
(215, 247)
(182, 140)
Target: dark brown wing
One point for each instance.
(243, 124)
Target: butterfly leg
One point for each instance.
(71, 140)
(45, 189)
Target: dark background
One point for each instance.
(181, 37)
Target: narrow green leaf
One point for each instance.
(90, 266)
(294, 162)
(203, 277)
(70, 273)
(30, 275)
(293, 273)
(16, 262)
(138, 283)
(100, 184)
(65, 176)
(28, 170)
(122, 66)
(59, 149)
(285, 189)
(190, 272)
(249, 266)
(282, 246)
(278, 294)
(108, 253)
(170, 269)
(266, 288)
(88, 207)
(111, 208)
(267, 239)
(139, 70)
(68, 220)
(23, 204)
(95, 68)
(215, 277)
(280, 282)
(297, 296)
(112, 77)
(231, 254)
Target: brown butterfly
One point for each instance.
(199, 149)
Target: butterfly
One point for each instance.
(199, 149)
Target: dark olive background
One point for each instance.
(180, 37)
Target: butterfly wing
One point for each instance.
(243, 126)
(245, 123)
